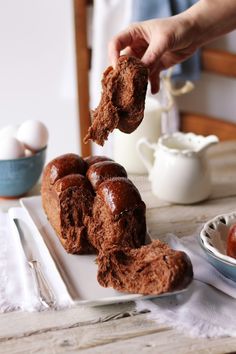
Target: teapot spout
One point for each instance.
(208, 141)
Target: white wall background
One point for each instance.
(37, 68)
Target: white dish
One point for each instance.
(213, 236)
(78, 272)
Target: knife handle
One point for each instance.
(45, 294)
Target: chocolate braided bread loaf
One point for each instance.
(95, 208)
(123, 99)
(91, 203)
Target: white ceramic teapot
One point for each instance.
(180, 173)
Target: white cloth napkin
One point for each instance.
(207, 308)
(17, 288)
(12, 289)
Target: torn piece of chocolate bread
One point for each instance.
(150, 270)
(123, 99)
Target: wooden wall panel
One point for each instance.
(205, 125)
(82, 66)
(219, 62)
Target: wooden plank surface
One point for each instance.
(206, 125)
(219, 62)
(127, 335)
(101, 329)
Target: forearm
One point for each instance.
(212, 18)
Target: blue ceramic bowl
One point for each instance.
(213, 238)
(18, 176)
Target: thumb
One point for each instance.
(152, 55)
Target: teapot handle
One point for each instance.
(144, 142)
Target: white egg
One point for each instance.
(33, 134)
(9, 130)
(11, 148)
(28, 153)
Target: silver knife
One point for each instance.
(44, 292)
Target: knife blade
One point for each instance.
(44, 291)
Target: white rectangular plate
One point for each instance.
(78, 272)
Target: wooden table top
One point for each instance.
(118, 328)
